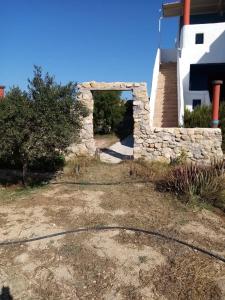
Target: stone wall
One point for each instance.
(200, 145)
(140, 111)
(86, 145)
(164, 144)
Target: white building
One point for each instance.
(183, 77)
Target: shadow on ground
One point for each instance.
(5, 294)
(122, 150)
(14, 177)
(117, 154)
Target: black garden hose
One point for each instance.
(107, 228)
(86, 183)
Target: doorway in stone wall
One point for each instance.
(113, 125)
(135, 143)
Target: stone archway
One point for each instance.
(141, 113)
(200, 145)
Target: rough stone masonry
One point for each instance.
(200, 145)
(140, 111)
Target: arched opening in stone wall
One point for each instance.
(113, 124)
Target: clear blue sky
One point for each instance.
(81, 40)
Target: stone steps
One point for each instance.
(166, 107)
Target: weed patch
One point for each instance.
(195, 183)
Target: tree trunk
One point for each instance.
(24, 174)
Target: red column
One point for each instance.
(2, 91)
(187, 11)
(216, 102)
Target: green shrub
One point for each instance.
(37, 126)
(199, 117)
(126, 126)
(204, 183)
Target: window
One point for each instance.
(199, 38)
(196, 103)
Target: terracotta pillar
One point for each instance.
(187, 12)
(216, 102)
(2, 91)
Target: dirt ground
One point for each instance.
(113, 264)
(105, 141)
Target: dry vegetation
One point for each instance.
(113, 264)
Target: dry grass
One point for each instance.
(193, 271)
(109, 265)
(150, 171)
(77, 166)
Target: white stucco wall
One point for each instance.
(154, 86)
(212, 51)
(168, 55)
(180, 95)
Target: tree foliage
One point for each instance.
(40, 123)
(109, 110)
(126, 126)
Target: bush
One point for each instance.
(37, 127)
(199, 117)
(204, 183)
(126, 127)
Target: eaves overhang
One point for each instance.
(175, 9)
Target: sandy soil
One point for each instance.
(112, 264)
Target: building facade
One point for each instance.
(197, 60)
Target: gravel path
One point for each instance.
(122, 150)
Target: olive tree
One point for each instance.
(39, 123)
